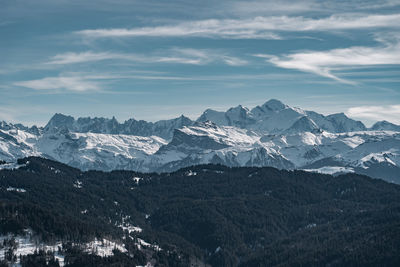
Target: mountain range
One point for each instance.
(273, 134)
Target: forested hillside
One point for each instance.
(203, 215)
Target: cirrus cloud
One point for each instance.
(77, 84)
(253, 28)
(175, 55)
(324, 63)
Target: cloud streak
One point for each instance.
(324, 63)
(175, 55)
(73, 83)
(377, 113)
(253, 28)
(81, 81)
(251, 7)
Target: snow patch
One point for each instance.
(56, 171)
(103, 247)
(191, 173)
(311, 225)
(19, 190)
(27, 245)
(331, 170)
(126, 226)
(137, 179)
(141, 243)
(11, 166)
(77, 184)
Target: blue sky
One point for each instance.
(159, 59)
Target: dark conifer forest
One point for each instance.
(207, 215)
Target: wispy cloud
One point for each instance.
(253, 7)
(82, 82)
(324, 63)
(390, 113)
(174, 55)
(361, 4)
(73, 83)
(88, 56)
(258, 27)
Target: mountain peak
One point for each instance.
(5, 125)
(59, 120)
(385, 125)
(338, 115)
(342, 123)
(184, 118)
(274, 104)
(60, 116)
(238, 108)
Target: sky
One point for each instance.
(155, 60)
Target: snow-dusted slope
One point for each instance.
(273, 134)
(374, 153)
(16, 143)
(99, 151)
(304, 124)
(208, 143)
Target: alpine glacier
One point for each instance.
(272, 134)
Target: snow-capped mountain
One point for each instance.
(163, 128)
(276, 117)
(208, 143)
(385, 126)
(99, 151)
(238, 116)
(272, 134)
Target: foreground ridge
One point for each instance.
(200, 215)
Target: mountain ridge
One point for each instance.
(272, 134)
(238, 116)
(210, 214)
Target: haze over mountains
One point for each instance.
(272, 134)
